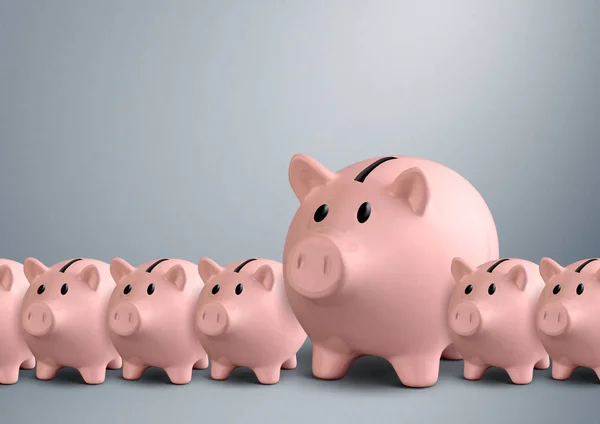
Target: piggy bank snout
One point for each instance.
(465, 319)
(38, 319)
(212, 319)
(125, 319)
(553, 319)
(315, 267)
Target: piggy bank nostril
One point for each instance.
(29, 316)
(456, 315)
(130, 317)
(300, 261)
(326, 265)
(545, 315)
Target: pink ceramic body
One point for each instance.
(498, 329)
(256, 329)
(14, 353)
(69, 330)
(157, 329)
(569, 323)
(381, 287)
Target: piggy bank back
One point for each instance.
(244, 319)
(64, 317)
(367, 259)
(14, 353)
(492, 317)
(568, 316)
(151, 317)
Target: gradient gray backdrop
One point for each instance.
(145, 129)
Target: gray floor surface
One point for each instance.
(369, 393)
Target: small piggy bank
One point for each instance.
(492, 318)
(14, 353)
(244, 319)
(151, 318)
(64, 318)
(568, 315)
(367, 260)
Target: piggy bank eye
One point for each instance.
(364, 212)
(41, 289)
(151, 288)
(468, 289)
(215, 289)
(238, 289)
(580, 289)
(321, 213)
(492, 289)
(556, 289)
(64, 289)
(127, 289)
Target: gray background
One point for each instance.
(145, 129)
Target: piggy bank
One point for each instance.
(151, 318)
(14, 353)
(367, 260)
(64, 318)
(492, 318)
(568, 316)
(244, 319)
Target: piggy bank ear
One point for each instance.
(305, 173)
(265, 276)
(549, 268)
(33, 269)
(518, 276)
(120, 268)
(91, 276)
(176, 275)
(207, 268)
(6, 277)
(460, 269)
(412, 187)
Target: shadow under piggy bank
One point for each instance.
(581, 376)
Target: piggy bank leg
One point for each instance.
(9, 374)
(543, 363)
(329, 364)
(180, 375)
(290, 364)
(473, 370)
(562, 370)
(133, 370)
(28, 364)
(268, 375)
(220, 370)
(451, 353)
(115, 364)
(417, 370)
(521, 375)
(93, 375)
(46, 371)
(202, 363)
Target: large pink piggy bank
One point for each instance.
(64, 318)
(244, 319)
(492, 318)
(568, 315)
(367, 260)
(151, 317)
(14, 353)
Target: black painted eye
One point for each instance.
(64, 289)
(492, 289)
(556, 289)
(364, 212)
(580, 289)
(215, 289)
(239, 289)
(127, 289)
(41, 289)
(321, 213)
(151, 288)
(468, 289)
